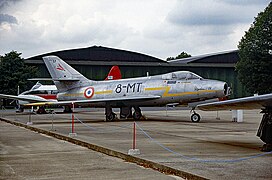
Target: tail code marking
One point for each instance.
(59, 67)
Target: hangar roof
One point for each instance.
(99, 53)
(226, 57)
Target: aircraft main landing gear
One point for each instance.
(137, 113)
(265, 129)
(20, 109)
(67, 109)
(195, 117)
(125, 112)
(110, 115)
(41, 110)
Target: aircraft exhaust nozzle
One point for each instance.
(227, 90)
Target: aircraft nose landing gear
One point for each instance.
(195, 117)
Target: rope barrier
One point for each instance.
(198, 159)
(85, 124)
(172, 151)
(96, 129)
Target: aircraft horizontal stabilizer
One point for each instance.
(24, 98)
(66, 79)
(110, 100)
(40, 79)
(55, 79)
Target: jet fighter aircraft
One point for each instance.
(175, 87)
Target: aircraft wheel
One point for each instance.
(20, 109)
(110, 117)
(137, 115)
(67, 109)
(41, 110)
(195, 117)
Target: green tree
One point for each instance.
(180, 56)
(15, 73)
(183, 55)
(170, 58)
(255, 51)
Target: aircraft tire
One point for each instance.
(67, 109)
(41, 110)
(20, 109)
(110, 117)
(137, 115)
(195, 118)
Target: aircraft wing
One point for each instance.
(252, 102)
(28, 98)
(93, 101)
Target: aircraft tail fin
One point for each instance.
(64, 76)
(114, 73)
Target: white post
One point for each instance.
(234, 115)
(166, 108)
(217, 115)
(29, 118)
(18, 90)
(52, 116)
(237, 115)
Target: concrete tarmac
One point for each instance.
(212, 148)
(28, 155)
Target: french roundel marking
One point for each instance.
(89, 92)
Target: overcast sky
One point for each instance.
(159, 28)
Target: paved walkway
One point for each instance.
(28, 155)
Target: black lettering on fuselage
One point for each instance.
(118, 88)
(139, 85)
(128, 88)
(131, 87)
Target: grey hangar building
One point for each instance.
(95, 62)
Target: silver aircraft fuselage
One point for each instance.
(177, 87)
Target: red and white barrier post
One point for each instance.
(73, 122)
(134, 151)
(134, 136)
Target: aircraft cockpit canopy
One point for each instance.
(181, 75)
